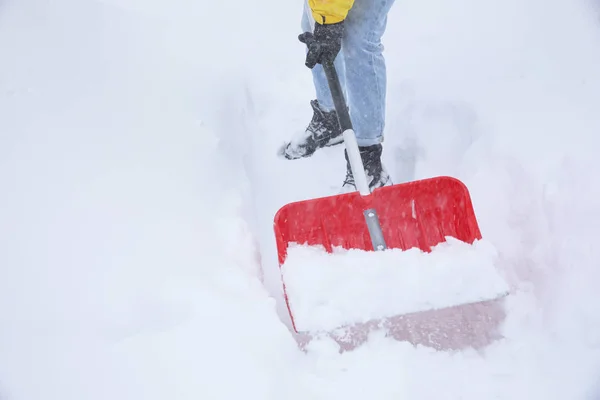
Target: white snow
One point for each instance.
(330, 290)
(139, 180)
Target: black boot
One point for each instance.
(323, 131)
(377, 176)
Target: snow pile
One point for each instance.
(328, 290)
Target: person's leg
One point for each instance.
(365, 72)
(323, 129)
(366, 86)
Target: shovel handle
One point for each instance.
(356, 164)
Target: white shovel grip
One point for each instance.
(358, 169)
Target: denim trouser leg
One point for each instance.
(361, 67)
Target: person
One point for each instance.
(350, 32)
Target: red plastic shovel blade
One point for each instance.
(415, 214)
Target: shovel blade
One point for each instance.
(418, 214)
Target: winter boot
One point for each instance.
(323, 131)
(377, 176)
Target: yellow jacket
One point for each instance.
(330, 11)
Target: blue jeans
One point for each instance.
(361, 68)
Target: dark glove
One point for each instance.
(324, 45)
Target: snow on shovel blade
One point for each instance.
(415, 218)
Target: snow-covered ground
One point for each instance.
(139, 179)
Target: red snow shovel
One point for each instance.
(416, 214)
